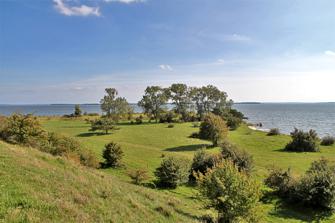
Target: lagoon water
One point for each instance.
(285, 116)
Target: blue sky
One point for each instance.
(68, 51)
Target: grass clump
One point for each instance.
(303, 141)
(328, 141)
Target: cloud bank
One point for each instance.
(82, 10)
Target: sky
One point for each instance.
(69, 51)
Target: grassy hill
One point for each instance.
(36, 187)
(40, 187)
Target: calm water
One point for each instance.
(285, 116)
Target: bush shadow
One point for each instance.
(89, 134)
(187, 148)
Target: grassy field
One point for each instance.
(144, 145)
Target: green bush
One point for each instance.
(170, 126)
(317, 187)
(232, 193)
(241, 158)
(167, 117)
(138, 176)
(172, 172)
(103, 124)
(328, 141)
(112, 155)
(281, 181)
(213, 128)
(21, 129)
(273, 132)
(303, 141)
(202, 162)
(139, 120)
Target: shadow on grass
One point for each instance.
(286, 210)
(89, 134)
(188, 148)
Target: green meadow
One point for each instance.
(36, 186)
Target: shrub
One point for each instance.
(327, 141)
(303, 141)
(21, 129)
(112, 155)
(195, 124)
(281, 181)
(273, 132)
(167, 117)
(203, 161)
(317, 186)
(170, 126)
(88, 158)
(194, 135)
(172, 172)
(138, 176)
(213, 128)
(77, 111)
(233, 194)
(139, 120)
(241, 158)
(103, 124)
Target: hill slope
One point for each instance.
(37, 187)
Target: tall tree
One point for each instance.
(115, 107)
(208, 98)
(77, 110)
(153, 101)
(179, 95)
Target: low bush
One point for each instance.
(112, 155)
(194, 135)
(273, 132)
(232, 193)
(21, 129)
(281, 181)
(328, 141)
(213, 128)
(195, 124)
(241, 158)
(103, 124)
(172, 172)
(138, 176)
(317, 187)
(139, 120)
(168, 117)
(170, 126)
(303, 141)
(202, 162)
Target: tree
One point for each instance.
(232, 193)
(112, 155)
(103, 124)
(208, 98)
(173, 171)
(179, 94)
(77, 110)
(115, 107)
(153, 100)
(213, 128)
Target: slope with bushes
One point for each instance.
(38, 187)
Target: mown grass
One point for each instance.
(144, 145)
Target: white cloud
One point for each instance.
(125, 1)
(82, 10)
(221, 61)
(165, 67)
(330, 53)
